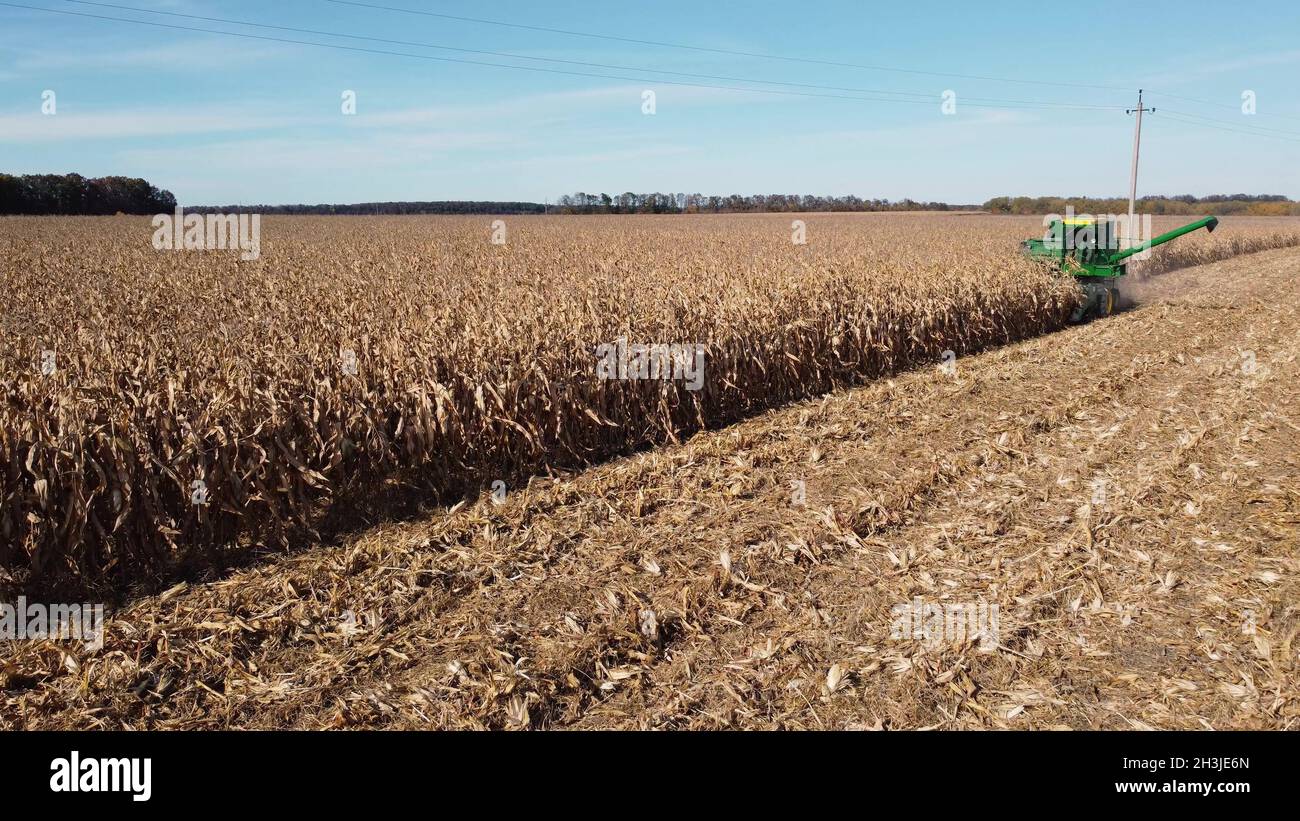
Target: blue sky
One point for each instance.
(223, 120)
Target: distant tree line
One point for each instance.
(658, 203)
(75, 194)
(1270, 205)
(374, 208)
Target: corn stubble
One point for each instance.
(474, 362)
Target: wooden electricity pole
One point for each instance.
(1133, 173)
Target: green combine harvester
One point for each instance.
(1088, 249)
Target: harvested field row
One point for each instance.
(693, 587)
(173, 408)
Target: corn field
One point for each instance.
(170, 408)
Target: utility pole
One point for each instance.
(1133, 174)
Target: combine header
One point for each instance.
(1088, 249)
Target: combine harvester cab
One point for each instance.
(1089, 250)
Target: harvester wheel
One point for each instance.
(1100, 300)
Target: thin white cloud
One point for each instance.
(192, 55)
(538, 110)
(621, 155)
(1200, 69)
(966, 124)
(35, 127)
(560, 103)
(553, 104)
(323, 156)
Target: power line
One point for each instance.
(1218, 104)
(786, 58)
(1260, 128)
(923, 97)
(980, 102)
(1178, 118)
(732, 52)
(490, 64)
